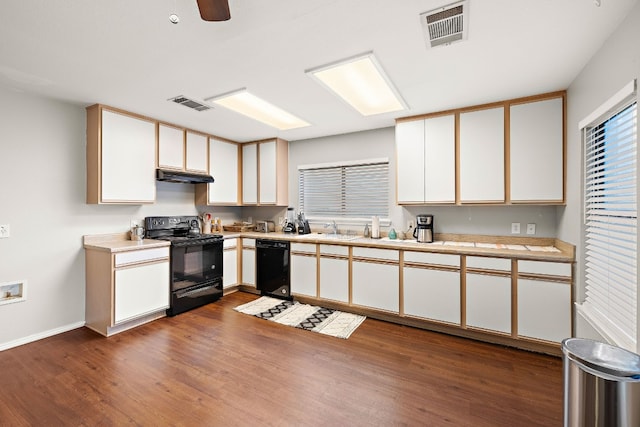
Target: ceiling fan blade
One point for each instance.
(214, 10)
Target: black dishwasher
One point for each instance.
(272, 268)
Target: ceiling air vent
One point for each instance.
(198, 106)
(446, 25)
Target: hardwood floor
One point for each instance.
(214, 366)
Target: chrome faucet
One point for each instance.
(333, 225)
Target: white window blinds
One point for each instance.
(610, 229)
(347, 191)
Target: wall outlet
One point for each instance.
(135, 223)
(531, 229)
(5, 231)
(409, 224)
(515, 228)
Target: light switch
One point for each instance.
(5, 231)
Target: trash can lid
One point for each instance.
(603, 357)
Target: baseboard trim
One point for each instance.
(40, 335)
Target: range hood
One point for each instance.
(183, 177)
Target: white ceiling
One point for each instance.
(126, 54)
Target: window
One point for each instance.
(348, 191)
(610, 224)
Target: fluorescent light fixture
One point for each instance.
(243, 102)
(362, 83)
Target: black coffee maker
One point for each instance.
(423, 232)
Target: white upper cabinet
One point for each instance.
(249, 174)
(121, 157)
(223, 166)
(482, 156)
(410, 161)
(268, 172)
(265, 173)
(440, 159)
(537, 151)
(197, 150)
(426, 160)
(170, 147)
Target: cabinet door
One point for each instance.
(249, 174)
(440, 160)
(544, 310)
(223, 164)
(141, 290)
(268, 172)
(536, 151)
(128, 159)
(303, 275)
(249, 267)
(432, 294)
(482, 156)
(410, 170)
(376, 285)
(334, 279)
(170, 147)
(230, 267)
(196, 147)
(489, 302)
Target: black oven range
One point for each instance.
(196, 261)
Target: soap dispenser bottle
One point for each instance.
(366, 231)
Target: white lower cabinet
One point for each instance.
(249, 262)
(334, 279)
(230, 263)
(432, 294)
(544, 310)
(376, 285)
(489, 302)
(249, 267)
(140, 290)
(304, 275)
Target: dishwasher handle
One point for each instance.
(271, 244)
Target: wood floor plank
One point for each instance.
(214, 366)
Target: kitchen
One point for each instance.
(46, 161)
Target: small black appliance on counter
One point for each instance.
(289, 225)
(423, 232)
(303, 224)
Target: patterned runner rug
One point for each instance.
(291, 313)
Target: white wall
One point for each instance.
(615, 64)
(495, 220)
(42, 198)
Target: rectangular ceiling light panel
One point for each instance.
(362, 83)
(245, 103)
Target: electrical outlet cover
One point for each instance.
(5, 231)
(531, 228)
(515, 228)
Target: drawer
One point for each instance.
(248, 243)
(230, 243)
(144, 255)
(503, 264)
(334, 250)
(431, 258)
(309, 248)
(545, 268)
(386, 254)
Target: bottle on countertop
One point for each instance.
(367, 233)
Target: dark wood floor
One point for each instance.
(213, 366)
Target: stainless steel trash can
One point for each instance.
(601, 385)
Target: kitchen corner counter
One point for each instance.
(120, 242)
(525, 248)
